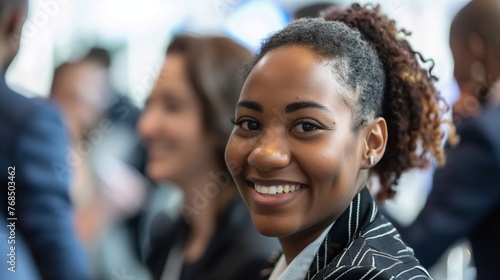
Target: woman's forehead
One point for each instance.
(293, 73)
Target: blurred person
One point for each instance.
(310, 132)
(465, 198)
(106, 188)
(120, 246)
(468, 71)
(185, 126)
(79, 88)
(33, 139)
(82, 91)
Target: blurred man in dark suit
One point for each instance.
(34, 200)
(465, 199)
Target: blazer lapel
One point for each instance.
(360, 213)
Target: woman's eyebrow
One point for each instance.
(250, 105)
(292, 107)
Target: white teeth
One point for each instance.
(272, 190)
(278, 189)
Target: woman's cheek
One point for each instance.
(233, 157)
(244, 146)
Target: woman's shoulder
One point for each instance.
(364, 272)
(377, 251)
(364, 259)
(354, 272)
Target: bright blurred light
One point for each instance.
(123, 18)
(131, 11)
(255, 20)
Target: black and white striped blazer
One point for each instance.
(363, 244)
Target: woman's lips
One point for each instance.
(275, 194)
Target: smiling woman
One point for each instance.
(185, 126)
(326, 104)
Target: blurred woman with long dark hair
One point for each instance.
(186, 126)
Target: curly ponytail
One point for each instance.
(383, 73)
(411, 102)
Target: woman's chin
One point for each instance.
(274, 229)
(158, 173)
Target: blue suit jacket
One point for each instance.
(33, 139)
(465, 199)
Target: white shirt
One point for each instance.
(297, 269)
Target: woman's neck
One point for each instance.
(206, 199)
(294, 244)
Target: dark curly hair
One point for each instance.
(383, 73)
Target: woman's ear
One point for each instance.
(374, 142)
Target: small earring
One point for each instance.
(372, 160)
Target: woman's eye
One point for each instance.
(304, 127)
(247, 124)
(250, 125)
(172, 107)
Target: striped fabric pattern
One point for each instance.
(362, 244)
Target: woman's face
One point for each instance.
(172, 125)
(293, 153)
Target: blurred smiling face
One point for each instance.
(293, 152)
(172, 126)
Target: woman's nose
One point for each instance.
(269, 154)
(148, 124)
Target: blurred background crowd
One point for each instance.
(102, 63)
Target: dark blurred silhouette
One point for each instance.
(465, 199)
(186, 126)
(33, 140)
